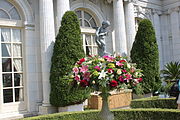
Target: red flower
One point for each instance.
(113, 83)
(124, 71)
(121, 79)
(81, 61)
(110, 70)
(122, 61)
(140, 79)
(84, 83)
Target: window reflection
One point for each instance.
(7, 80)
(6, 65)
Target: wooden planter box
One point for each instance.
(116, 100)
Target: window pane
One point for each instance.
(17, 50)
(86, 24)
(17, 65)
(93, 23)
(18, 94)
(6, 65)
(90, 50)
(88, 39)
(3, 15)
(6, 50)
(5, 35)
(94, 40)
(7, 80)
(16, 35)
(18, 79)
(95, 51)
(8, 95)
(5, 5)
(14, 14)
(87, 16)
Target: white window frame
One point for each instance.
(88, 31)
(15, 105)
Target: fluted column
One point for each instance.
(62, 7)
(119, 27)
(47, 37)
(130, 24)
(174, 18)
(156, 19)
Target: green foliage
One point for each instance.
(145, 53)
(67, 50)
(154, 102)
(128, 114)
(171, 71)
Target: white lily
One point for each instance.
(102, 75)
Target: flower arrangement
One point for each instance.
(107, 72)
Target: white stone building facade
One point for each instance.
(28, 29)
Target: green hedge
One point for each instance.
(121, 114)
(154, 102)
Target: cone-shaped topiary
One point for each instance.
(67, 50)
(145, 53)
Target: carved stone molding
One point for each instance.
(155, 11)
(176, 9)
(94, 1)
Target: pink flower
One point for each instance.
(84, 83)
(109, 58)
(77, 78)
(128, 76)
(113, 83)
(97, 68)
(84, 68)
(121, 79)
(75, 70)
(118, 63)
(81, 61)
(124, 71)
(110, 70)
(86, 76)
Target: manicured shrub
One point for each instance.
(154, 102)
(145, 54)
(67, 50)
(121, 114)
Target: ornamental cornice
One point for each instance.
(155, 11)
(176, 9)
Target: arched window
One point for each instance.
(8, 11)
(11, 53)
(88, 25)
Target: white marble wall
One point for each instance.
(166, 23)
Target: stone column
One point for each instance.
(156, 19)
(119, 27)
(47, 38)
(130, 24)
(174, 18)
(62, 7)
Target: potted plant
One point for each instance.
(105, 74)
